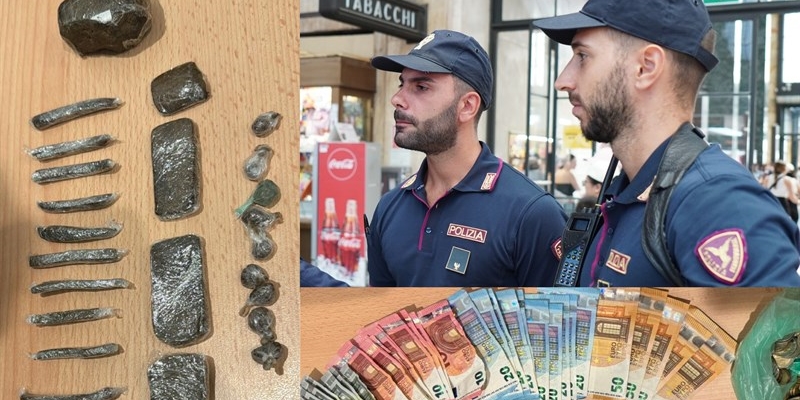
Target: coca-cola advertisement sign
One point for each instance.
(342, 164)
(341, 244)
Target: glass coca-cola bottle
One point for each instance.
(330, 233)
(351, 242)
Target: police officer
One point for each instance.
(633, 80)
(466, 218)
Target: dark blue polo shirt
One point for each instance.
(722, 228)
(494, 228)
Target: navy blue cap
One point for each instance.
(447, 52)
(679, 25)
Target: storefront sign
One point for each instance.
(395, 17)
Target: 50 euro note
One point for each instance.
(406, 383)
(515, 322)
(378, 381)
(616, 314)
(464, 368)
(672, 317)
(714, 355)
(500, 378)
(648, 318)
(416, 351)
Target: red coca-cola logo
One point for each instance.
(342, 164)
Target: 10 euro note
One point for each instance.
(395, 368)
(415, 350)
(461, 362)
(500, 378)
(377, 380)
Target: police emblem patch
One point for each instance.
(724, 255)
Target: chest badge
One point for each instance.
(458, 261)
(618, 262)
(724, 255)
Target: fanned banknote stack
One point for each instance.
(545, 344)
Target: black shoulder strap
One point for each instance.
(682, 150)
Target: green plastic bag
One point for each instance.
(752, 371)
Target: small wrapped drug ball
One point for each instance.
(267, 354)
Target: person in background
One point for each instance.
(591, 188)
(783, 185)
(466, 218)
(633, 80)
(566, 183)
(311, 276)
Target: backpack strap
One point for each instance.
(682, 150)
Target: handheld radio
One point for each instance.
(581, 228)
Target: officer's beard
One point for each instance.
(611, 112)
(432, 136)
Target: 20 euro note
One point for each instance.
(487, 307)
(616, 313)
(404, 339)
(378, 381)
(500, 378)
(537, 317)
(395, 368)
(555, 337)
(585, 318)
(514, 317)
(672, 317)
(713, 356)
(569, 305)
(648, 318)
(464, 368)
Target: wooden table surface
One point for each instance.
(331, 316)
(248, 51)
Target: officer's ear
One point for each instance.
(651, 63)
(468, 106)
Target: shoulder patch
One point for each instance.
(410, 181)
(724, 255)
(488, 181)
(556, 248)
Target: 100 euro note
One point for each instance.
(378, 381)
(402, 336)
(461, 363)
(537, 317)
(616, 313)
(714, 355)
(514, 317)
(648, 317)
(672, 317)
(500, 377)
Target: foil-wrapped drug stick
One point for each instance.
(76, 234)
(71, 316)
(63, 149)
(89, 203)
(104, 350)
(75, 110)
(78, 285)
(56, 174)
(73, 257)
(107, 393)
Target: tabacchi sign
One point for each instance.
(395, 17)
